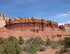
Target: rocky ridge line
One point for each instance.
(31, 27)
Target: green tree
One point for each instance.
(67, 42)
(12, 39)
(21, 41)
(17, 47)
(15, 43)
(8, 47)
(11, 46)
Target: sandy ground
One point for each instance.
(48, 51)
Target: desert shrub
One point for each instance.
(1, 50)
(8, 47)
(12, 39)
(1, 40)
(40, 48)
(31, 49)
(21, 41)
(54, 45)
(37, 41)
(67, 42)
(48, 42)
(17, 47)
(62, 50)
(11, 46)
(29, 41)
(15, 43)
(60, 42)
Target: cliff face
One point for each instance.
(29, 24)
(62, 28)
(2, 20)
(3, 17)
(2, 23)
(31, 27)
(67, 27)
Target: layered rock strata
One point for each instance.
(31, 27)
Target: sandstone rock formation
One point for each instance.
(2, 20)
(62, 28)
(67, 27)
(31, 27)
(3, 17)
(2, 23)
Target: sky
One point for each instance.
(54, 10)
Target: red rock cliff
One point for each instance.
(31, 27)
(29, 24)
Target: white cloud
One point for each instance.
(64, 23)
(62, 15)
(68, 22)
(69, 12)
(61, 23)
